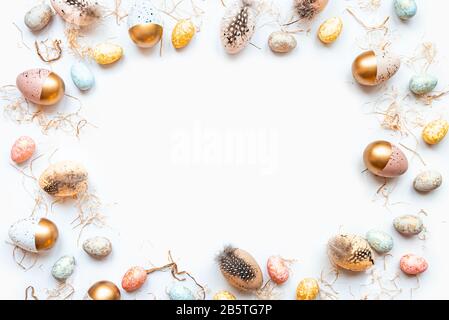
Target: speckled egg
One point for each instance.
(413, 265)
(380, 241)
(350, 252)
(408, 225)
(134, 279)
(64, 179)
(405, 9)
(435, 131)
(107, 53)
(145, 26)
(41, 86)
(422, 84)
(38, 17)
(180, 292)
(23, 149)
(330, 30)
(82, 77)
(224, 295)
(78, 12)
(182, 33)
(97, 247)
(428, 181)
(308, 289)
(278, 269)
(282, 42)
(34, 234)
(375, 67)
(384, 159)
(63, 268)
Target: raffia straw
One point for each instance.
(381, 26)
(30, 291)
(52, 52)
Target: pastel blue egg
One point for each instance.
(380, 241)
(180, 292)
(82, 77)
(422, 84)
(405, 9)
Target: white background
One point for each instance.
(168, 182)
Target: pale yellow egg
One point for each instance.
(330, 30)
(435, 131)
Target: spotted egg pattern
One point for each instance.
(408, 225)
(422, 84)
(278, 269)
(380, 241)
(427, 181)
(413, 265)
(397, 165)
(435, 131)
(308, 289)
(143, 12)
(63, 268)
(180, 292)
(388, 65)
(22, 233)
(30, 83)
(23, 149)
(350, 252)
(134, 279)
(405, 9)
(78, 12)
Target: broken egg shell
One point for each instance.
(179, 292)
(97, 247)
(23, 149)
(63, 268)
(282, 42)
(134, 279)
(384, 159)
(408, 225)
(428, 181)
(34, 234)
(380, 241)
(278, 269)
(38, 17)
(371, 68)
(413, 265)
(41, 86)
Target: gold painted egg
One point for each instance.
(144, 24)
(372, 68)
(308, 289)
(384, 159)
(350, 252)
(41, 86)
(33, 234)
(330, 30)
(435, 131)
(103, 290)
(183, 33)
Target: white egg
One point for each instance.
(78, 12)
(143, 12)
(22, 234)
(38, 17)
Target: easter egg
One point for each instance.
(380, 241)
(144, 24)
(308, 9)
(41, 86)
(134, 279)
(372, 68)
(330, 30)
(384, 159)
(64, 179)
(82, 77)
(428, 181)
(240, 269)
(408, 225)
(282, 42)
(308, 289)
(103, 290)
(63, 268)
(97, 247)
(38, 17)
(22, 149)
(278, 269)
(435, 131)
(34, 234)
(107, 53)
(224, 295)
(350, 252)
(405, 9)
(180, 292)
(182, 33)
(413, 265)
(78, 12)
(238, 26)
(422, 84)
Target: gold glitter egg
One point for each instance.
(435, 131)
(330, 30)
(308, 289)
(350, 252)
(183, 33)
(372, 68)
(107, 53)
(224, 295)
(103, 290)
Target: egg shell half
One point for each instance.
(22, 233)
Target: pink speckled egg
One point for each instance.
(278, 269)
(22, 149)
(384, 159)
(134, 279)
(412, 264)
(41, 86)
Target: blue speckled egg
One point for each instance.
(82, 77)
(422, 84)
(143, 12)
(180, 292)
(405, 9)
(63, 268)
(380, 241)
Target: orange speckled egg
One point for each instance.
(22, 149)
(413, 265)
(278, 269)
(134, 279)
(384, 159)
(41, 86)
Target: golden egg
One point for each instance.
(182, 34)
(107, 53)
(104, 290)
(308, 289)
(52, 90)
(384, 159)
(372, 68)
(46, 235)
(224, 295)
(146, 35)
(435, 131)
(330, 30)
(350, 252)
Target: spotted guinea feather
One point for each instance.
(235, 266)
